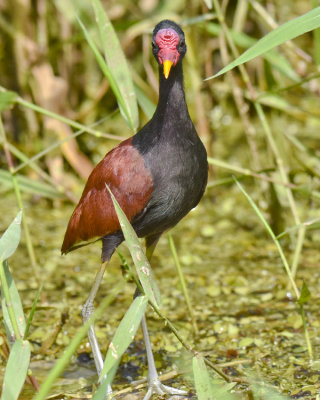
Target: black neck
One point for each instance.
(172, 102)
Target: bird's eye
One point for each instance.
(153, 45)
(182, 43)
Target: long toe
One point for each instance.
(156, 387)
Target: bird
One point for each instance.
(157, 176)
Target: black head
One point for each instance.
(168, 44)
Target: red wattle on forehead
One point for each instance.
(167, 38)
(167, 41)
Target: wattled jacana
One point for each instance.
(157, 176)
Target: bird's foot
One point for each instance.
(156, 387)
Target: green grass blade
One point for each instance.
(7, 100)
(104, 67)
(59, 367)
(285, 32)
(305, 294)
(117, 65)
(9, 241)
(11, 304)
(206, 387)
(274, 57)
(28, 185)
(308, 225)
(284, 262)
(183, 283)
(12, 310)
(147, 106)
(140, 260)
(263, 390)
(270, 231)
(100, 394)
(201, 379)
(16, 370)
(124, 334)
(316, 39)
(33, 309)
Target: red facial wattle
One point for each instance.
(168, 55)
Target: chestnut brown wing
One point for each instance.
(124, 171)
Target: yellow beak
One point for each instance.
(166, 68)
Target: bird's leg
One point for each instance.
(87, 311)
(154, 384)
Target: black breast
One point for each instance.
(177, 161)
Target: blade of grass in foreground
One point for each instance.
(13, 315)
(206, 387)
(140, 260)
(62, 363)
(263, 390)
(16, 370)
(291, 29)
(125, 334)
(10, 239)
(201, 379)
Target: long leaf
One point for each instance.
(101, 393)
(208, 388)
(148, 107)
(270, 231)
(10, 239)
(28, 185)
(63, 361)
(16, 370)
(263, 390)
(285, 32)
(124, 334)
(104, 67)
(32, 311)
(274, 57)
(201, 379)
(140, 260)
(118, 65)
(14, 304)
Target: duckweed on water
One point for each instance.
(247, 319)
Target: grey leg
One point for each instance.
(154, 384)
(87, 311)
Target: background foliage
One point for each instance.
(260, 123)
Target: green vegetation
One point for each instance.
(78, 77)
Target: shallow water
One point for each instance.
(249, 323)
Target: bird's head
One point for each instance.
(168, 45)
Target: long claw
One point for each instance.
(156, 387)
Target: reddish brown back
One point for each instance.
(124, 171)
